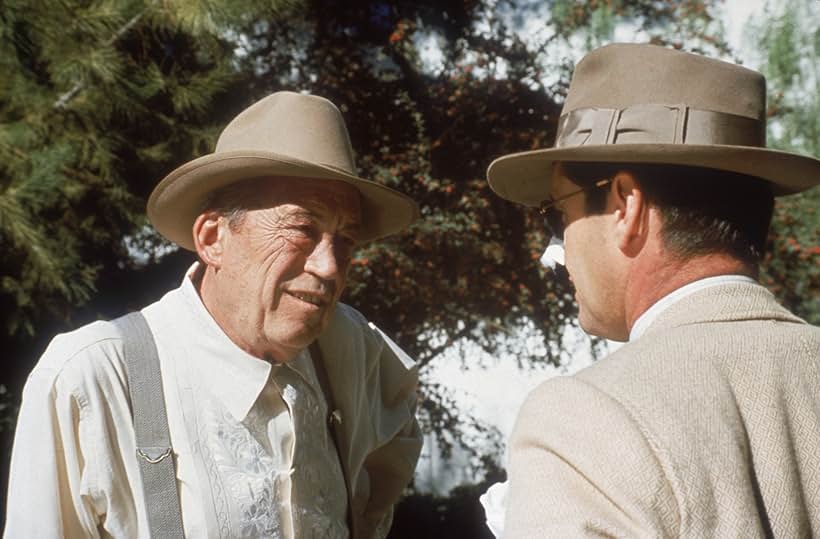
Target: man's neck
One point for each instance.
(652, 282)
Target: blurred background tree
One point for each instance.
(99, 100)
(787, 38)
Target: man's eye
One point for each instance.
(346, 239)
(308, 231)
(345, 246)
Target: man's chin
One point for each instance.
(302, 339)
(595, 328)
(589, 330)
(589, 324)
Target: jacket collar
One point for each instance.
(652, 313)
(731, 302)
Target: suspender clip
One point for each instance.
(153, 455)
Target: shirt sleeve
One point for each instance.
(580, 466)
(48, 466)
(374, 383)
(391, 387)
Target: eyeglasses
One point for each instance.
(553, 217)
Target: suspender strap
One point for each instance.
(154, 452)
(334, 420)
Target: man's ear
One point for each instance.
(631, 213)
(209, 238)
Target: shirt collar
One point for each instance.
(651, 314)
(232, 375)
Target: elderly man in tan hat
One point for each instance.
(707, 422)
(248, 402)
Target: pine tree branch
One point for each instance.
(80, 86)
(75, 173)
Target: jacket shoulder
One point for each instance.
(709, 393)
(567, 448)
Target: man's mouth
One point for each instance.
(319, 301)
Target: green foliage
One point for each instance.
(791, 268)
(688, 24)
(103, 98)
(106, 97)
(97, 99)
(788, 36)
(8, 411)
(468, 269)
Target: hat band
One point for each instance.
(658, 124)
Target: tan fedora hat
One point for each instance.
(286, 134)
(632, 103)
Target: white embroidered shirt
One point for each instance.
(254, 455)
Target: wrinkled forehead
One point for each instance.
(326, 195)
(319, 196)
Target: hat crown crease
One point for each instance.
(287, 124)
(623, 75)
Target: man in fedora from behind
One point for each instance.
(284, 413)
(706, 423)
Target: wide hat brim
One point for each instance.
(525, 177)
(181, 196)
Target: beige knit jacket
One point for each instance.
(707, 426)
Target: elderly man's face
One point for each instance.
(283, 267)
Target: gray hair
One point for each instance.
(235, 199)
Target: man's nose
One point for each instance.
(323, 261)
